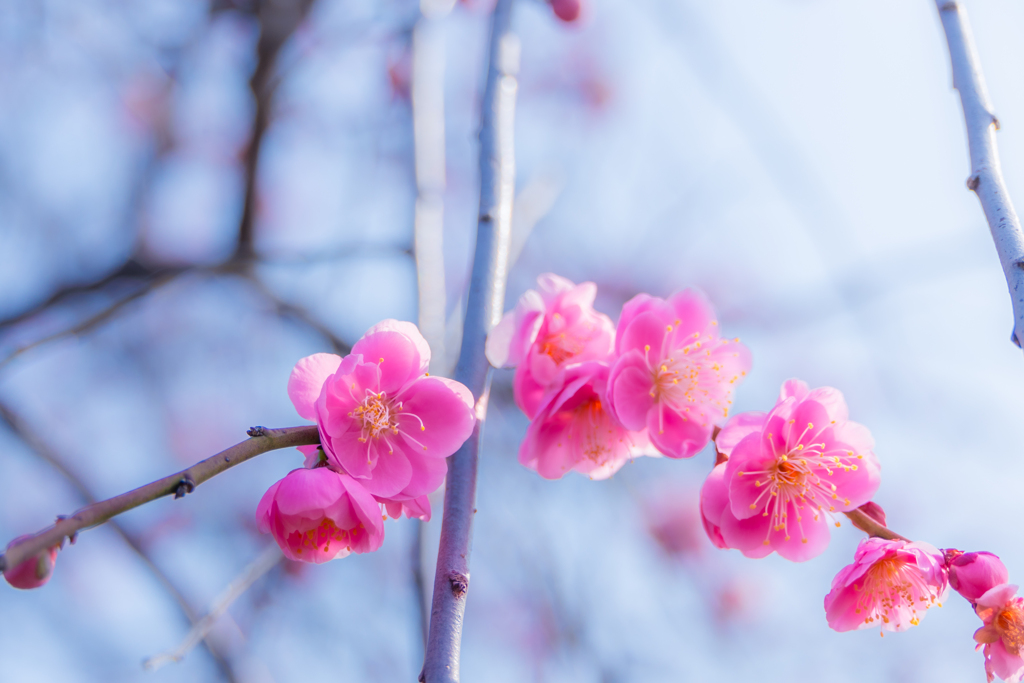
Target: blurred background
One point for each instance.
(195, 195)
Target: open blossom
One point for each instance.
(549, 328)
(33, 572)
(573, 429)
(973, 574)
(674, 374)
(382, 419)
(1002, 636)
(317, 515)
(890, 585)
(786, 472)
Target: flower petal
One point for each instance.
(307, 381)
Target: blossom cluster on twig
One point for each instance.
(660, 383)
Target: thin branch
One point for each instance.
(483, 310)
(267, 560)
(179, 484)
(871, 527)
(278, 21)
(21, 429)
(986, 178)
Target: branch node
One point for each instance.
(459, 583)
(3, 564)
(972, 182)
(949, 6)
(995, 121)
(187, 485)
(256, 431)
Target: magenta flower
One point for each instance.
(1002, 636)
(973, 574)
(674, 376)
(573, 429)
(33, 572)
(890, 584)
(413, 508)
(319, 515)
(545, 332)
(787, 471)
(382, 419)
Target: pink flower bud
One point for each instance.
(33, 572)
(567, 10)
(318, 515)
(972, 574)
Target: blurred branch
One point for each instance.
(986, 178)
(267, 560)
(533, 202)
(483, 309)
(21, 429)
(278, 20)
(179, 484)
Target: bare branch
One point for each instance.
(178, 484)
(267, 560)
(871, 527)
(483, 310)
(22, 430)
(986, 179)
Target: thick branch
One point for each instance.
(179, 484)
(986, 176)
(484, 307)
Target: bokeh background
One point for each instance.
(802, 161)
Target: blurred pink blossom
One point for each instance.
(33, 572)
(573, 429)
(567, 10)
(674, 523)
(316, 515)
(890, 583)
(786, 472)
(674, 375)
(546, 331)
(973, 574)
(383, 420)
(1002, 636)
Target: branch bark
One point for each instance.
(179, 484)
(986, 179)
(484, 307)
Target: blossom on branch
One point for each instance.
(673, 374)
(33, 572)
(316, 515)
(549, 329)
(973, 574)
(383, 420)
(787, 472)
(890, 584)
(1002, 636)
(573, 429)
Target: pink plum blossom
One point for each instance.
(1002, 636)
(33, 572)
(573, 429)
(973, 574)
(413, 508)
(383, 420)
(546, 331)
(787, 472)
(890, 584)
(674, 375)
(317, 515)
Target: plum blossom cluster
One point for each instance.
(660, 382)
(386, 427)
(597, 394)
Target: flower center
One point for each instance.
(890, 587)
(1010, 624)
(561, 347)
(593, 430)
(320, 537)
(380, 416)
(797, 480)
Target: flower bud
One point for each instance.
(33, 572)
(972, 574)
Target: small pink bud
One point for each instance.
(567, 10)
(33, 572)
(874, 511)
(973, 574)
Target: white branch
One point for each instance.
(986, 177)
(260, 566)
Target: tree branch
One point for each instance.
(986, 178)
(872, 528)
(483, 310)
(179, 484)
(20, 429)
